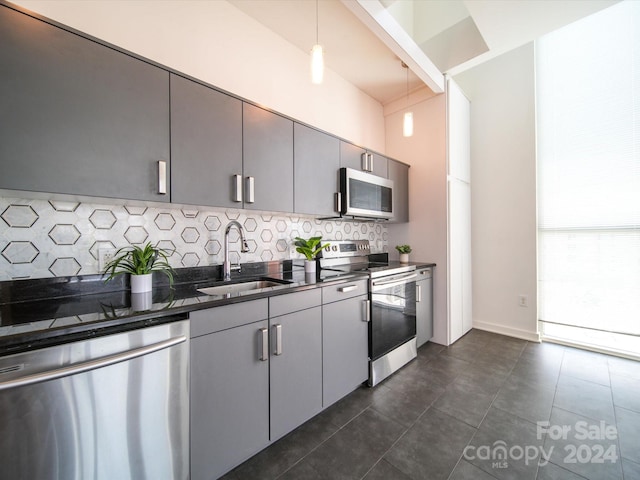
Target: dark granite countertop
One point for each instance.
(42, 312)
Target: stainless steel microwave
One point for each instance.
(365, 195)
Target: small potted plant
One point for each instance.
(309, 248)
(140, 263)
(404, 250)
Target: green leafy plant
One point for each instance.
(403, 248)
(139, 261)
(309, 248)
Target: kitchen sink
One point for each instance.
(241, 287)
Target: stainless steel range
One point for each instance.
(392, 291)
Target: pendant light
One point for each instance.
(407, 123)
(317, 57)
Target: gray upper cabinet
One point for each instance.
(267, 160)
(351, 157)
(79, 117)
(399, 173)
(206, 144)
(316, 162)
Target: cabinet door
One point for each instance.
(399, 173)
(316, 162)
(80, 118)
(229, 399)
(345, 360)
(206, 144)
(296, 369)
(268, 159)
(351, 156)
(424, 307)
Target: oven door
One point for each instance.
(393, 312)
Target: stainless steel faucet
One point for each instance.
(244, 248)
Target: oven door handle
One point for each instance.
(396, 280)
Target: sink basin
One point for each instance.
(237, 288)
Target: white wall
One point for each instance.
(503, 192)
(219, 44)
(426, 231)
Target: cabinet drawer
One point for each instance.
(228, 316)
(345, 290)
(424, 274)
(292, 302)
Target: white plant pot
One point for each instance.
(404, 258)
(309, 266)
(141, 302)
(141, 283)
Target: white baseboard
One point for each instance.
(508, 331)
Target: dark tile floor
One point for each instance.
(488, 407)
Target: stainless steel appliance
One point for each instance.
(392, 294)
(112, 407)
(365, 195)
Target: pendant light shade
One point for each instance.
(407, 122)
(317, 64)
(317, 57)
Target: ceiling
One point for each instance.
(364, 40)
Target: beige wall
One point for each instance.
(217, 43)
(426, 231)
(503, 192)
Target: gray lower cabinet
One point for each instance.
(351, 157)
(295, 369)
(399, 173)
(316, 157)
(424, 306)
(267, 160)
(206, 145)
(229, 387)
(345, 360)
(79, 117)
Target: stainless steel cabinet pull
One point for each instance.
(278, 334)
(348, 288)
(264, 354)
(365, 162)
(250, 190)
(237, 188)
(162, 177)
(92, 364)
(366, 305)
(418, 293)
(370, 155)
(338, 202)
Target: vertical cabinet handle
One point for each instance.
(370, 155)
(250, 190)
(278, 336)
(365, 162)
(418, 293)
(264, 340)
(237, 188)
(366, 311)
(162, 177)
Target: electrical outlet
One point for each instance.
(105, 255)
(523, 300)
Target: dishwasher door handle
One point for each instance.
(91, 364)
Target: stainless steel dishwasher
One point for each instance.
(112, 407)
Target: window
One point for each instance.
(588, 120)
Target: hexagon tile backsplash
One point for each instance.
(40, 238)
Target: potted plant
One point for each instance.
(309, 248)
(140, 262)
(404, 250)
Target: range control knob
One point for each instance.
(334, 248)
(327, 248)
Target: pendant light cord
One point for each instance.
(317, 22)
